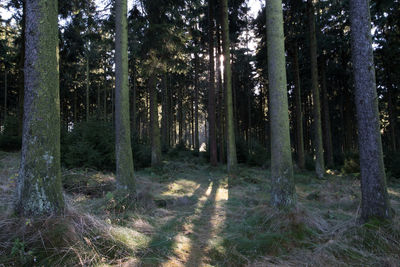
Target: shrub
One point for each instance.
(89, 144)
(351, 163)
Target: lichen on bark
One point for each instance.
(39, 190)
(282, 182)
(123, 149)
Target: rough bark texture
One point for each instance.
(282, 182)
(299, 110)
(39, 190)
(374, 201)
(318, 145)
(123, 150)
(155, 128)
(211, 87)
(231, 143)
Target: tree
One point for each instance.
(374, 201)
(231, 143)
(318, 145)
(283, 190)
(39, 190)
(123, 148)
(211, 91)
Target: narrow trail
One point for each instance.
(202, 228)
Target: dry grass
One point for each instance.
(190, 214)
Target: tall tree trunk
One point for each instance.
(392, 119)
(196, 102)
(318, 145)
(211, 91)
(105, 94)
(39, 189)
(221, 99)
(21, 83)
(5, 95)
(283, 191)
(180, 115)
(231, 143)
(299, 109)
(374, 200)
(134, 106)
(327, 119)
(165, 113)
(87, 88)
(155, 128)
(123, 149)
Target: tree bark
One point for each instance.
(327, 119)
(318, 145)
(374, 200)
(196, 102)
(299, 109)
(211, 91)
(231, 143)
(155, 128)
(39, 190)
(123, 149)
(282, 181)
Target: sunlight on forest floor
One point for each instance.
(190, 214)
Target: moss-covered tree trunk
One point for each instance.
(39, 190)
(123, 150)
(211, 87)
(318, 145)
(231, 143)
(299, 109)
(155, 128)
(282, 182)
(374, 201)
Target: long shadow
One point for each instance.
(203, 225)
(163, 241)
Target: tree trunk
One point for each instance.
(318, 145)
(299, 109)
(221, 99)
(196, 103)
(155, 128)
(39, 189)
(87, 88)
(327, 119)
(231, 143)
(123, 149)
(282, 181)
(374, 201)
(392, 119)
(5, 95)
(211, 91)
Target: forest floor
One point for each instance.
(190, 214)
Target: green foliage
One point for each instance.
(19, 253)
(351, 163)
(92, 145)
(89, 144)
(9, 139)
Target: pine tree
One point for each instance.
(231, 143)
(282, 180)
(123, 150)
(374, 201)
(39, 190)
